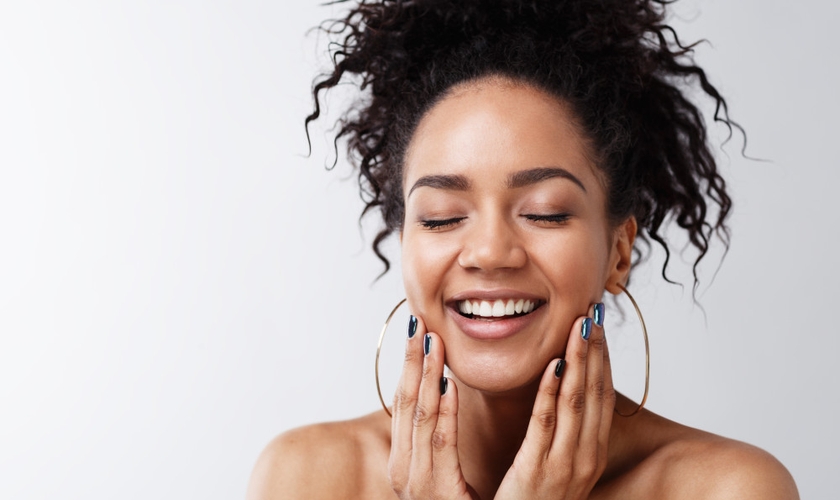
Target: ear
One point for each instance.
(621, 255)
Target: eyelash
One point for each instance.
(440, 223)
(550, 218)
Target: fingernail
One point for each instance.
(586, 328)
(558, 370)
(444, 384)
(599, 314)
(412, 326)
(427, 344)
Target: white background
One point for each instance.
(179, 283)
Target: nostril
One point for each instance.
(493, 250)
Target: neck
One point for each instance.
(491, 428)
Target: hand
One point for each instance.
(424, 428)
(565, 448)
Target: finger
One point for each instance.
(571, 398)
(609, 402)
(428, 403)
(405, 401)
(446, 466)
(594, 403)
(543, 420)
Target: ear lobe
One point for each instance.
(621, 256)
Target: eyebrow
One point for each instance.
(523, 178)
(535, 175)
(449, 182)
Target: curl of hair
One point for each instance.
(621, 68)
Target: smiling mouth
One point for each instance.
(497, 309)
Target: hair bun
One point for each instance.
(623, 71)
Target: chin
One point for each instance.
(490, 374)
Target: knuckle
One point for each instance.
(576, 401)
(415, 491)
(447, 411)
(428, 370)
(597, 342)
(422, 415)
(580, 354)
(546, 419)
(562, 471)
(586, 470)
(440, 440)
(548, 390)
(596, 390)
(418, 485)
(412, 356)
(405, 401)
(398, 478)
(534, 474)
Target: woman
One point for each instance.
(519, 150)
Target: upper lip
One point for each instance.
(494, 294)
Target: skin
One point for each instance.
(484, 219)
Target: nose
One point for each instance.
(492, 244)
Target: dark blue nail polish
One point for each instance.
(586, 328)
(599, 314)
(444, 384)
(558, 370)
(412, 326)
(427, 344)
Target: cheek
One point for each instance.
(424, 267)
(575, 263)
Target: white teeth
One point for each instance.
(497, 308)
(510, 309)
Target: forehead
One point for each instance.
(494, 127)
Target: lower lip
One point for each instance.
(496, 328)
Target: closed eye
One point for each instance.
(440, 223)
(549, 218)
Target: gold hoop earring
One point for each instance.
(647, 356)
(379, 349)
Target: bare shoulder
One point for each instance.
(327, 460)
(653, 457)
(722, 468)
(699, 465)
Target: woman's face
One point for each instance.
(506, 238)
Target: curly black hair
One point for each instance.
(622, 70)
